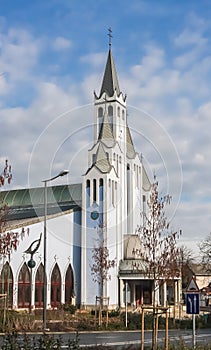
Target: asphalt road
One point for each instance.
(125, 339)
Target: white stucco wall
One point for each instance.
(63, 248)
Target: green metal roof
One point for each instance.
(29, 202)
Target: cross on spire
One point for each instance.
(110, 36)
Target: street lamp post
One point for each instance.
(62, 173)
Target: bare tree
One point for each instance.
(8, 239)
(100, 269)
(6, 175)
(186, 255)
(159, 243)
(185, 258)
(101, 262)
(205, 252)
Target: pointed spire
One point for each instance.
(106, 135)
(102, 162)
(110, 81)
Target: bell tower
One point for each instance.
(111, 187)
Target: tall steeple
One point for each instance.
(110, 106)
(110, 80)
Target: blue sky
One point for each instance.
(52, 58)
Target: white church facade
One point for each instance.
(110, 199)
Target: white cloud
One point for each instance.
(19, 53)
(204, 112)
(95, 59)
(153, 60)
(4, 86)
(193, 33)
(61, 43)
(189, 37)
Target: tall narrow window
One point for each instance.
(94, 190)
(69, 285)
(112, 192)
(101, 196)
(6, 283)
(129, 206)
(100, 118)
(144, 210)
(24, 287)
(110, 116)
(94, 157)
(88, 193)
(117, 164)
(39, 286)
(101, 190)
(118, 111)
(55, 287)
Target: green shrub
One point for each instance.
(133, 320)
(70, 308)
(114, 313)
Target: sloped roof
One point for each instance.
(102, 161)
(110, 81)
(29, 202)
(146, 185)
(133, 268)
(106, 135)
(131, 153)
(198, 269)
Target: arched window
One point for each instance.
(117, 164)
(118, 111)
(100, 118)
(39, 286)
(113, 193)
(55, 287)
(88, 193)
(94, 190)
(24, 287)
(69, 285)
(110, 111)
(110, 116)
(123, 114)
(6, 283)
(101, 192)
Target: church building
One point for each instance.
(105, 206)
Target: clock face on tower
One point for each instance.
(94, 215)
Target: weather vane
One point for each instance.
(110, 36)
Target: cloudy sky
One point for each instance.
(52, 58)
